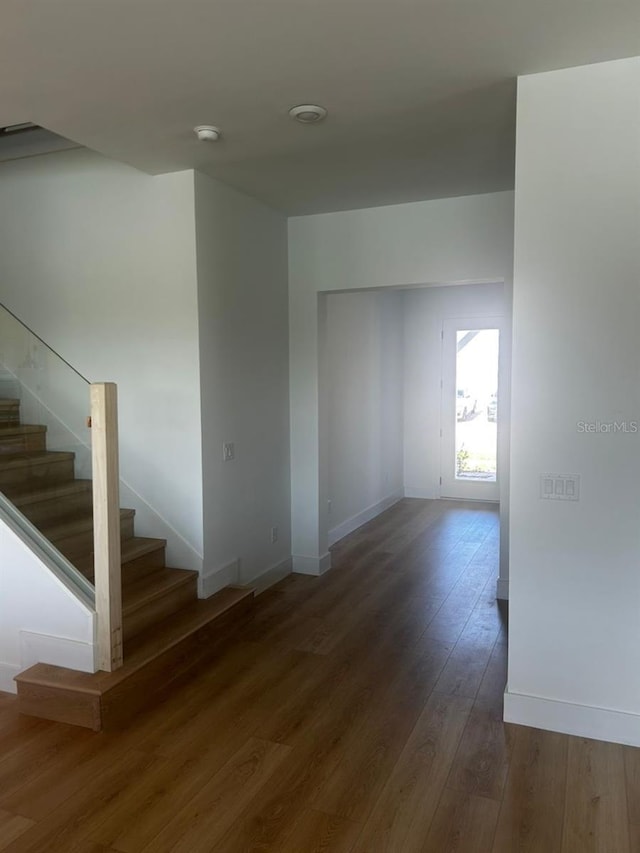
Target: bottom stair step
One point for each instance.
(155, 660)
(152, 598)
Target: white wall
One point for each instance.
(99, 260)
(425, 310)
(242, 301)
(574, 641)
(41, 619)
(436, 242)
(363, 392)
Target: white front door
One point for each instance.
(470, 409)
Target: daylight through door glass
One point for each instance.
(476, 404)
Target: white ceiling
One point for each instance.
(420, 93)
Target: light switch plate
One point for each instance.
(560, 487)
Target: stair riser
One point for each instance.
(46, 512)
(37, 476)
(162, 607)
(62, 706)
(9, 417)
(31, 442)
(131, 570)
(82, 543)
(143, 566)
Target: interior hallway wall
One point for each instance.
(363, 393)
(244, 370)
(574, 638)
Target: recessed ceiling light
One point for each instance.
(308, 113)
(207, 133)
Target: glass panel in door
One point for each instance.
(470, 409)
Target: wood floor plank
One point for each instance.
(402, 815)
(170, 786)
(490, 694)
(482, 762)
(632, 775)
(462, 824)
(317, 832)
(198, 826)
(61, 780)
(23, 767)
(466, 667)
(342, 686)
(370, 751)
(596, 817)
(11, 827)
(70, 823)
(317, 740)
(237, 702)
(453, 616)
(532, 813)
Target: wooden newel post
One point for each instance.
(106, 523)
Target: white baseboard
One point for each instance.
(271, 576)
(502, 589)
(356, 521)
(212, 582)
(58, 651)
(311, 565)
(230, 575)
(424, 494)
(580, 720)
(7, 673)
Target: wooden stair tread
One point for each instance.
(7, 430)
(23, 495)
(142, 590)
(27, 460)
(142, 650)
(138, 546)
(8, 403)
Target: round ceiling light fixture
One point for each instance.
(308, 113)
(207, 133)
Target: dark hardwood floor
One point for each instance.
(360, 711)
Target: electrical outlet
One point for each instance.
(329, 507)
(274, 535)
(228, 451)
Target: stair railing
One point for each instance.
(106, 524)
(52, 392)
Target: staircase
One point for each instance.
(167, 630)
